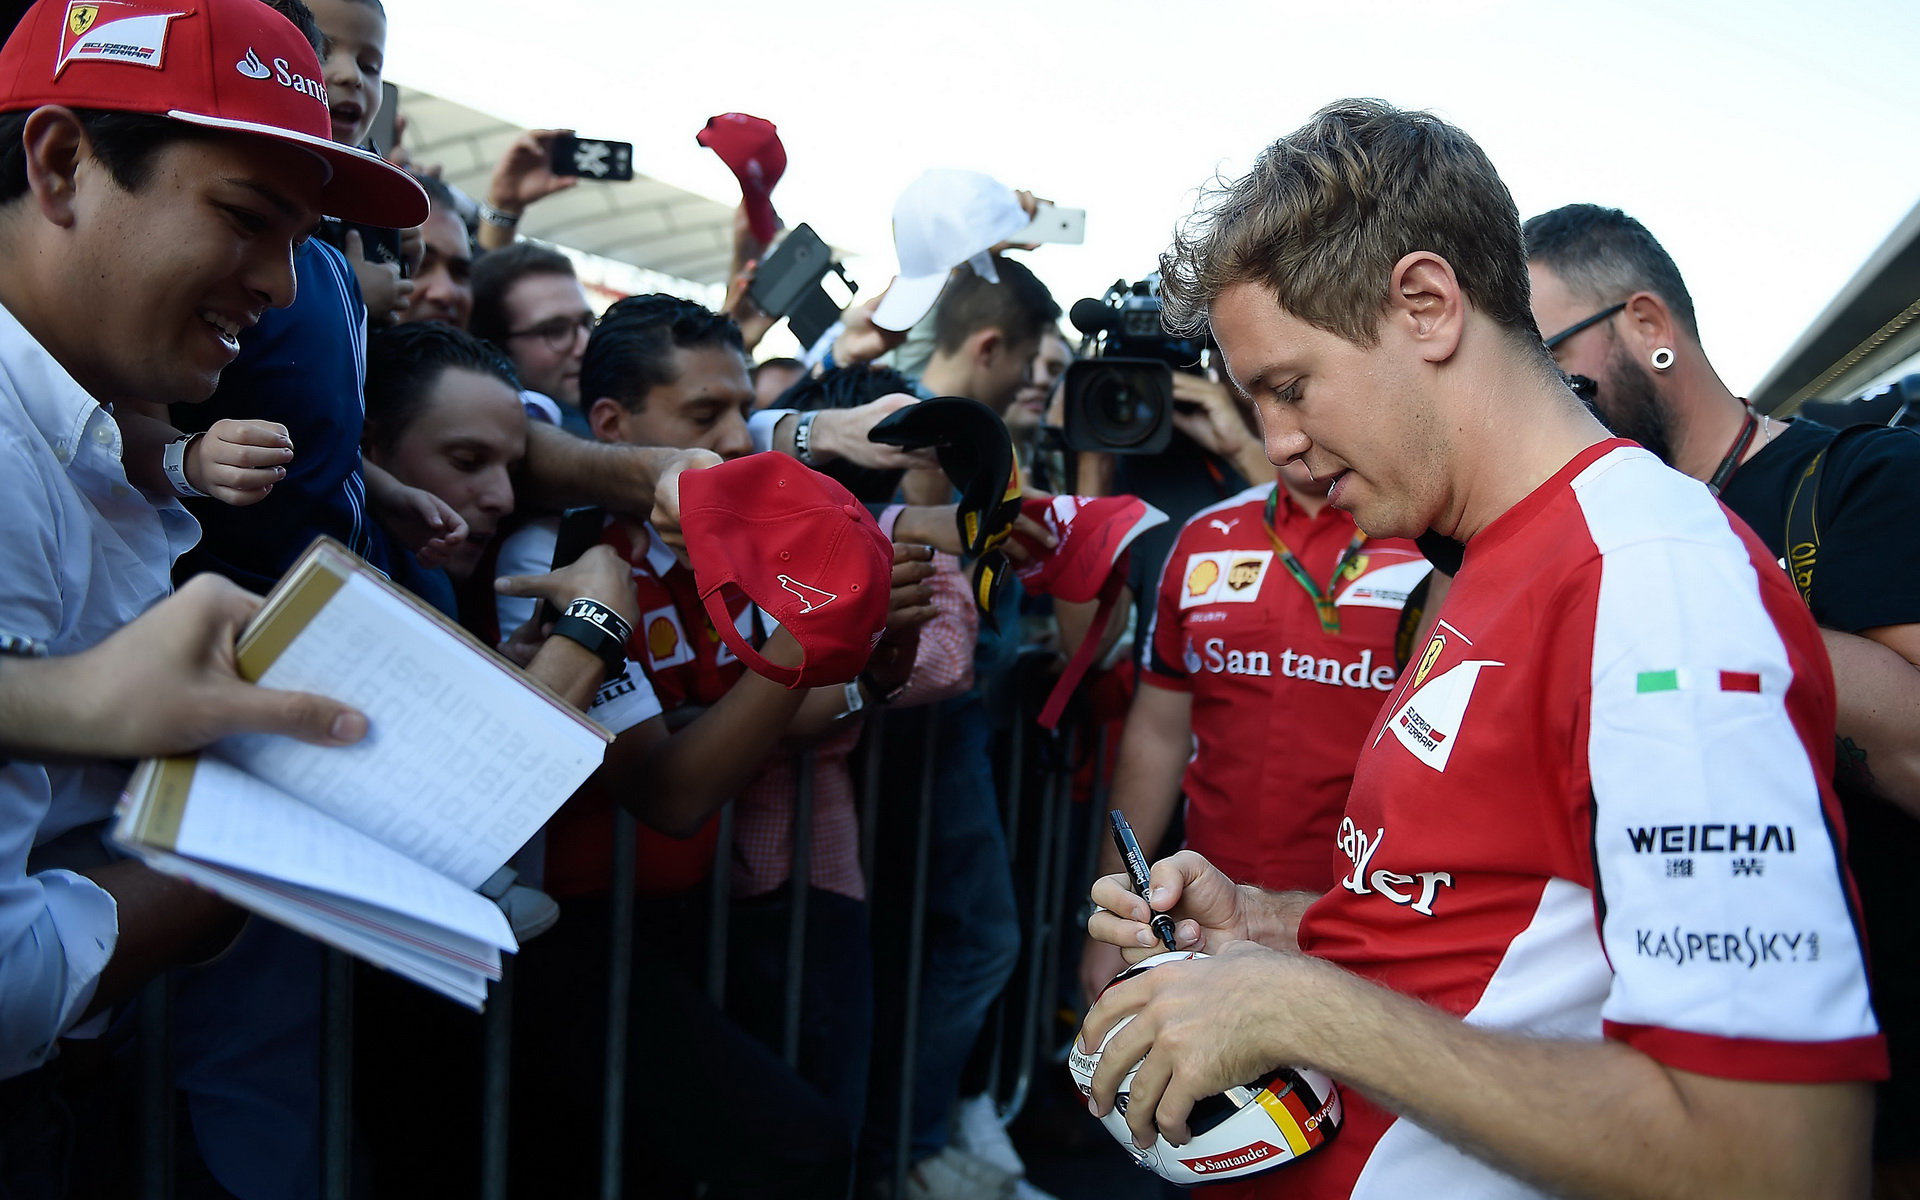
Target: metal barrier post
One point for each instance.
(336, 1077)
(1098, 802)
(874, 747)
(719, 904)
(619, 995)
(1058, 793)
(916, 958)
(156, 1092)
(496, 1077)
(1064, 883)
(799, 878)
(1010, 822)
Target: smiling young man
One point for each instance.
(1590, 934)
(153, 186)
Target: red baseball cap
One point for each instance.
(1092, 534)
(224, 64)
(750, 146)
(802, 548)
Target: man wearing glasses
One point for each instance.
(528, 301)
(1616, 311)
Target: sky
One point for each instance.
(1770, 146)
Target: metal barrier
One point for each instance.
(1037, 812)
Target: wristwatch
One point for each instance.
(16, 646)
(499, 218)
(803, 438)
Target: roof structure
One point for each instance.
(645, 223)
(1870, 331)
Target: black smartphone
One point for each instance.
(592, 158)
(579, 532)
(797, 264)
(379, 244)
(791, 284)
(383, 135)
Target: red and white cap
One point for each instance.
(224, 64)
(943, 219)
(802, 548)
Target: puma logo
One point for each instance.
(808, 595)
(1223, 526)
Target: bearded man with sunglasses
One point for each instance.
(1618, 318)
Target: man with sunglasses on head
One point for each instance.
(1618, 318)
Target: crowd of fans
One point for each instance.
(1485, 709)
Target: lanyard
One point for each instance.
(1741, 440)
(1322, 599)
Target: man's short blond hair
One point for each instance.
(1329, 209)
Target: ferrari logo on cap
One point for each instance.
(114, 31)
(808, 595)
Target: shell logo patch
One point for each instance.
(1225, 577)
(1202, 578)
(667, 644)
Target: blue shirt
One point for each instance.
(305, 367)
(82, 552)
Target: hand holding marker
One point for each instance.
(1137, 872)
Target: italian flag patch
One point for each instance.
(1682, 679)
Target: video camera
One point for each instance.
(1119, 399)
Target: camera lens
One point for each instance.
(1123, 405)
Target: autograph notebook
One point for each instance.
(374, 848)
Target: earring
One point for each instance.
(1662, 358)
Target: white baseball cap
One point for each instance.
(943, 219)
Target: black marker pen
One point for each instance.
(1137, 872)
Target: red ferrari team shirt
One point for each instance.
(1597, 806)
(1282, 699)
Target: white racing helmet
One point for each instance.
(1243, 1131)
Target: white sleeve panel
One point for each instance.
(1725, 911)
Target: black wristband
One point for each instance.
(599, 629)
(592, 610)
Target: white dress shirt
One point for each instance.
(82, 552)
